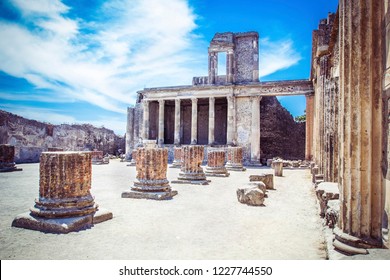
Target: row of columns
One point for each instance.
(230, 139)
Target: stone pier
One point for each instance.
(65, 203)
(234, 159)
(7, 159)
(151, 179)
(278, 167)
(176, 158)
(191, 172)
(216, 163)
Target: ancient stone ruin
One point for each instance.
(176, 157)
(234, 159)
(151, 179)
(65, 203)
(191, 172)
(216, 163)
(7, 159)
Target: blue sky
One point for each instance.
(83, 61)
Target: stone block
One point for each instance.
(278, 167)
(326, 191)
(251, 196)
(267, 179)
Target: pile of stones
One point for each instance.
(255, 192)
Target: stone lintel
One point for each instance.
(149, 195)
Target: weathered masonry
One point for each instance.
(350, 119)
(216, 109)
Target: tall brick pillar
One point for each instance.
(65, 203)
(361, 180)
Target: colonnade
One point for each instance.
(231, 138)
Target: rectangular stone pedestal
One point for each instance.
(63, 225)
(149, 195)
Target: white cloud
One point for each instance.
(139, 43)
(276, 55)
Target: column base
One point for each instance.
(60, 225)
(352, 245)
(217, 171)
(235, 167)
(163, 195)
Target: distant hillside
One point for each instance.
(31, 137)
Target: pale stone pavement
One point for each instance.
(201, 222)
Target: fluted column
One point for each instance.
(211, 120)
(255, 130)
(361, 181)
(145, 134)
(309, 126)
(177, 122)
(230, 121)
(161, 104)
(194, 121)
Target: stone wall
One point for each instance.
(280, 135)
(31, 138)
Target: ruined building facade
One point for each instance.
(350, 119)
(222, 110)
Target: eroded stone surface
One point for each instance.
(216, 163)
(7, 159)
(176, 157)
(267, 179)
(65, 203)
(234, 159)
(325, 192)
(191, 159)
(278, 167)
(250, 196)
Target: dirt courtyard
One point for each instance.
(200, 223)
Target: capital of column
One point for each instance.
(194, 100)
(177, 102)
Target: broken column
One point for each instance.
(151, 179)
(278, 167)
(234, 159)
(133, 158)
(361, 179)
(176, 157)
(97, 157)
(216, 163)
(7, 159)
(65, 203)
(191, 172)
(267, 179)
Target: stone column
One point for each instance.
(230, 121)
(194, 121)
(145, 134)
(234, 159)
(97, 157)
(133, 157)
(216, 163)
(65, 203)
(161, 122)
(278, 167)
(213, 64)
(255, 130)
(177, 122)
(7, 159)
(211, 120)
(151, 179)
(361, 180)
(176, 157)
(229, 64)
(191, 172)
(309, 126)
(129, 133)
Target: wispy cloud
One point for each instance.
(276, 55)
(134, 43)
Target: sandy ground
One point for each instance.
(200, 223)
